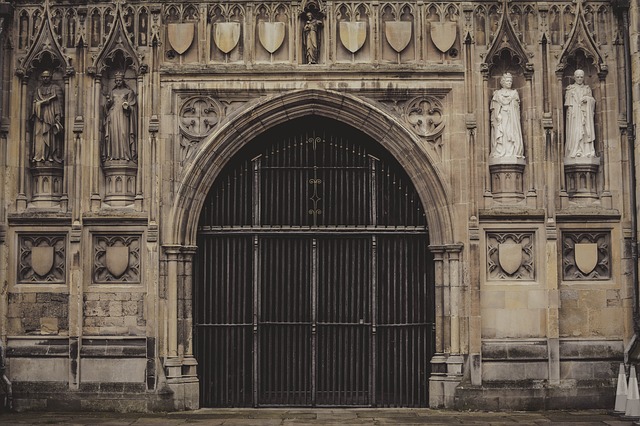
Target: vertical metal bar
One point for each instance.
(256, 317)
(374, 317)
(314, 318)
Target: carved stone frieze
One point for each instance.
(42, 258)
(116, 258)
(586, 256)
(510, 256)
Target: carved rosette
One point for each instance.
(42, 259)
(198, 117)
(510, 256)
(586, 256)
(425, 114)
(116, 259)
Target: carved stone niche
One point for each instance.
(47, 178)
(586, 255)
(41, 259)
(510, 256)
(581, 178)
(506, 180)
(116, 258)
(120, 182)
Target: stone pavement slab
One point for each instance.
(324, 417)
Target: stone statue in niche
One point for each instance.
(579, 123)
(47, 113)
(311, 38)
(506, 131)
(120, 123)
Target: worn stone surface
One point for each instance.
(157, 99)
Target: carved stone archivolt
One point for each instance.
(586, 256)
(42, 259)
(510, 256)
(116, 258)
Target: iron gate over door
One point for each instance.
(313, 281)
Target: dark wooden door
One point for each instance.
(313, 281)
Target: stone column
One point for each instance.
(180, 365)
(438, 362)
(455, 359)
(21, 202)
(189, 363)
(446, 364)
(95, 145)
(172, 362)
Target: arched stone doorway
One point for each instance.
(420, 166)
(313, 282)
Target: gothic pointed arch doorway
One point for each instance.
(313, 281)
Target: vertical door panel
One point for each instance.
(404, 330)
(223, 314)
(344, 321)
(284, 321)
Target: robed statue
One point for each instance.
(311, 38)
(121, 122)
(47, 114)
(506, 130)
(579, 124)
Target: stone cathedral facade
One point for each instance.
(318, 203)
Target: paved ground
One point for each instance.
(316, 417)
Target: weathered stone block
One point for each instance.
(39, 369)
(106, 370)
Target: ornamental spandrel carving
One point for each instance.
(42, 259)
(510, 256)
(116, 258)
(425, 115)
(586, 256)
(198, 117)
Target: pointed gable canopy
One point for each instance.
(45, 51)
(118, 48)
(580, 39)
(506, 40)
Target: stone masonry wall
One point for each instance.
(114, 314)
(38, 313)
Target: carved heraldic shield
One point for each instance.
(271, 35)
(180, 36)
(42, 260)
(398, 34)
(444, 34)
(586, 255)
(353, 35)
(226, 35)
(117, 260)
(510, 257)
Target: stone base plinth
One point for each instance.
(120, 182)
(446, 375)
(581, 177)
(506, 179)
(47, 181)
